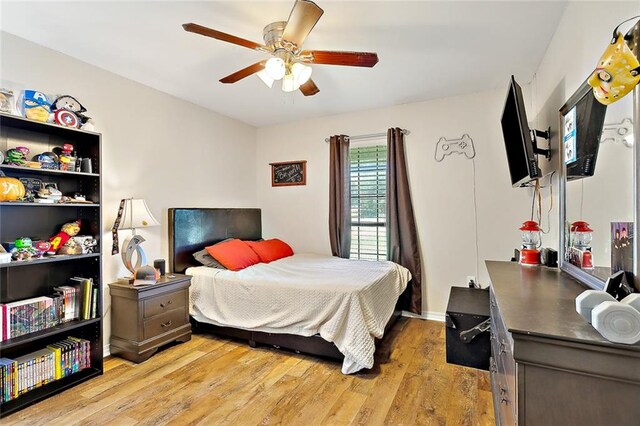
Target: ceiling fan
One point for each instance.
(283, 40)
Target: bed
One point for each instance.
(313, 304)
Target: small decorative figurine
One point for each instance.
(7, 101)
(47, 160)
(60, 239)
(17, 156)
(36, 105)
(23, 249)
(70, 247)
(42, 247)
(87, 242)
(66, 158)
(49, 194)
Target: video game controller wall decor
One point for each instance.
(464, 145)
(618, 133)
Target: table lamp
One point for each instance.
(132, 214)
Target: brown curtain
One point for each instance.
(402, 238)
(339, 196)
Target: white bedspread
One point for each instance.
(348, 302)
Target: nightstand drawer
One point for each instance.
(163, 323)
(164, 303)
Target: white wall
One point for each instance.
(170, 152)
(442, 192)
(582, 36)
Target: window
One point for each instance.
(368, 202)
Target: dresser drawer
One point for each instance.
(163, 323)
(164, 303)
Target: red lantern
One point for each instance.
(531, 241)
(581, 236)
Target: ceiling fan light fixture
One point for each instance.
(275, 68)
(301, 73)
(289, 83)
(266, 79)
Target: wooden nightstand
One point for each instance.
(144, 318)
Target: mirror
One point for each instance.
(599, 203)
(605, 201)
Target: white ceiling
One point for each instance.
(427, 49)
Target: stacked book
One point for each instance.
(77, 300)
(28, 372)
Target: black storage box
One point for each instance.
(468, 308)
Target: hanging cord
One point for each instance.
(475, 215)
(550, 205)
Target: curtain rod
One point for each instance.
(370, 136)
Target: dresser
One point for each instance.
(144, 318)
(548, 365)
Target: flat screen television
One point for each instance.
(518, 141)
(582, 120)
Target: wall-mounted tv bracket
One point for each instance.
(535, 133)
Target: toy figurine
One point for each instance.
(36, 105)
(23, 249)
(87, 242)
(47, 160)
(42, 247)
(70, 247)
(60, 239)
(66, 158)
(49, 194)
(17, 156)
(6, 101)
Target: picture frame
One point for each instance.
(289, 173)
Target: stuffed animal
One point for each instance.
(71, 104)
(61, 238)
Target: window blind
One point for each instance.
(368, 171)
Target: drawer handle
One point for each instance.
(166, 324)
(503, 347)
(504, 401)
(503, 391)
(164, 305)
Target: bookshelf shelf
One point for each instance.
(58, 329)
(35, 278)
(6, 167)
(18, 204)
(48, 390)
(51, 259)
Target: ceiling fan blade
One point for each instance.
(244, 72)
(309, 88)
(304, 16)
(352, 59)
(219, 35)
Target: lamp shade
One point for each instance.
(136, 214)
(289, 83)
(275, 68)
(266, 79)
(301, 73)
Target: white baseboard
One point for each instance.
(106, 351)
(432, 316)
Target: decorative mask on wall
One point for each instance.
(618, 70)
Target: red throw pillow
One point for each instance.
(270, 250)
(233, 254)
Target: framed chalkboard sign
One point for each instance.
(289, 173)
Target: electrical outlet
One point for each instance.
(471, 278)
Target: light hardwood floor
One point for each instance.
(211, 381)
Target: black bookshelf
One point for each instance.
(38, 277)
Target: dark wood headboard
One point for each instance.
(191, 230)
